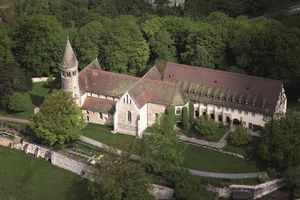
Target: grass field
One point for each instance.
(194, 157)
(208, 160)
(27, 178)
(213, 138)
(103, 134)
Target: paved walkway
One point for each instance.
(17, 120)
(225, 175)
(218, 145)
(194, 172)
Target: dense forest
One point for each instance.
(128, 36)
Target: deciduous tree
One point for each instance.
(125, 49)
(59, 119)
(280, 142)
(18, 102)
(12, 79)
(240, 136)
(119, 178)
(39, 44)
(206, 125)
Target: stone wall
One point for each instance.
(258, 191)
(73, 165)
(39, 79)
(248, 191)
(68, 163)
(121, 122)
(161, 192)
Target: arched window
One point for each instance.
(129, 117)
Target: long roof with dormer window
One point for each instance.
(225, 88)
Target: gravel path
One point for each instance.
(17, 120)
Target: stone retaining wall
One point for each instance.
(248, 191)
(40, 79)
(73, 165)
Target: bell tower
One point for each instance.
(69, 72)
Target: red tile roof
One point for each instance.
(98, 105)
(154, 91)
(153, 74)
(105, 83)
(242, 86)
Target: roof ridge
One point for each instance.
(224, 72)
(152, 70)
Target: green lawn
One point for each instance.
(27, 178)
(35, 98)
(103, 134)
(194, 157)
(208, 160)
(213, 138)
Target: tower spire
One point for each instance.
(69, 59)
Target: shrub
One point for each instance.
(240, 136)
(206, 125)
(18, 102)
(185, 118)
(191, 112)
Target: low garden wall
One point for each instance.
(248, 191)
(39, 79)
(73, 165)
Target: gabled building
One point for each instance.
(131, 104)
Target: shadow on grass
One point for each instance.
(79, 190)
(36, 100)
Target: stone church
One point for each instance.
(131, 104)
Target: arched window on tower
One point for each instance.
(129, 116)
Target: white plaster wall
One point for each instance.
(257, 119)
(143, 122)
(281, 104)
(82, 98)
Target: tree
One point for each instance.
(293, 181)
(59, 119)
(12, 79)
(280, 142)
(186, 186)
(119, 178)
(204, 47)
(125, 49)
(6, 44)
(191, 112)
(162, 46)
(87, 43)
(206, 125)
(39, 44)
(18, 102)
(161, 151)
(240, 136)
(185, 118)
(255, 44)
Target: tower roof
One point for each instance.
(69, 60)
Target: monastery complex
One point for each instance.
(131, 104)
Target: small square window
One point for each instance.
(240, 111)
(232, 110)
(253, 114)
(246, 112)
